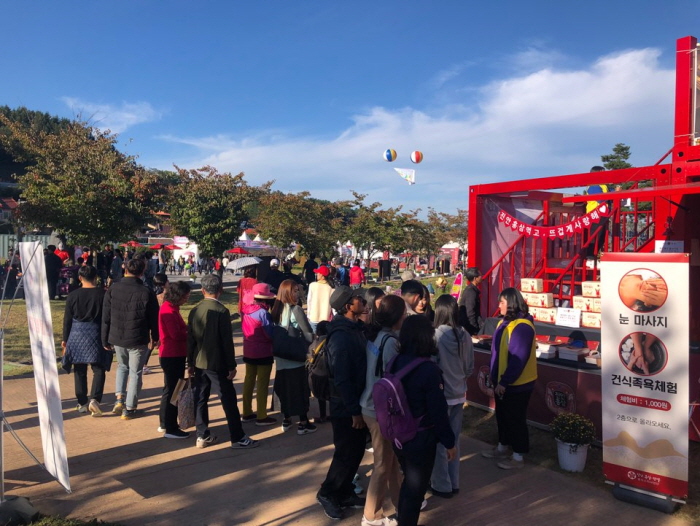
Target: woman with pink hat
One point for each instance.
(257, 352)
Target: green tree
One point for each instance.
(78, 183)
(372, 228)
(618, 159)
(208, 207)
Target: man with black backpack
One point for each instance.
(347, 363)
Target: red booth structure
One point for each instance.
(658, 210)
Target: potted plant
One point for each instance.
(573, 433)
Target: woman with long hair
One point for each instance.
(373, 296)
(424, 306)
(82, 342)
(172, 331)
(291, 382)
(513, 373)
(456, 360)
(426, 400)
(386, 476)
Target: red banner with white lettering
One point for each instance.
(556, 231)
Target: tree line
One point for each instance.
(72, 178)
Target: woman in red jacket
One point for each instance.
(172, 352)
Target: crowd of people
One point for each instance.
(365, 335)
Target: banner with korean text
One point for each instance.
(645, 346)
(48, 392)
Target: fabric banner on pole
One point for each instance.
(48, 393)
(644, 376)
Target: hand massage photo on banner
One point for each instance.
(643, 353)
(643, 290)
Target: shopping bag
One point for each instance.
(185, 406)
(181, 384)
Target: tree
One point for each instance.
(374, 229)
(618, 159)
(78, 183)
(208, 207)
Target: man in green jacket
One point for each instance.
(212, 360)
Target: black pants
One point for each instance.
(416, 459)
(205, 380)
(173, 370)
(511, 417)
(80, 378)
(349, 449)
(52, 284)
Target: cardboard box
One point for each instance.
(531, 285)
(546, 315)
(593, 358)
(590, 289)
(585, 304)
(590, 319)
(541, 299)
(576, 354)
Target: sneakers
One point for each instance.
(286, 425)
(495, 453)
(178, 433)
(511, 463)
(352, 501)
(147, 370)
(94, 408)
(330, 507)
(384, 521)
(267, 421)
(249, 418)
(203, 442)
(306, 429)
(129, 414)
(160, 429)
(245, 443)
(118, 407)
(443, 494)
(423, 504)
(81, 408)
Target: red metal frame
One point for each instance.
(673, 184)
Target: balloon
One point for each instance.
(390, 155)
(417, 156)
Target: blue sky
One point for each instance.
(311, 93)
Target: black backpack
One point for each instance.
(318, 369)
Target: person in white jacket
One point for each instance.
(456, 360)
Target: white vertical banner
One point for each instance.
(48, 392)
(645, 357)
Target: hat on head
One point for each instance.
(407, 274)
(323, 270)
(343, 295)
(274, 262)
(259, 291)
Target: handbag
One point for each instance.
(185, 403)
(289, 343)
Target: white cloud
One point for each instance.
(116, 118)
(548, 122)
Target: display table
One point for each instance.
(562, 385)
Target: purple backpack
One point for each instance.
(394, 417)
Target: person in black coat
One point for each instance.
(53, 267)
(347, 361)
(470, 303)
(424, 391)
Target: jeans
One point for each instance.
(205, 380)
(349, 449)
(445, 475)
(416, 459)
(256, 376)
(130, 362)
(80, 378)
(173, 370)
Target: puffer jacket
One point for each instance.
(129, 314)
